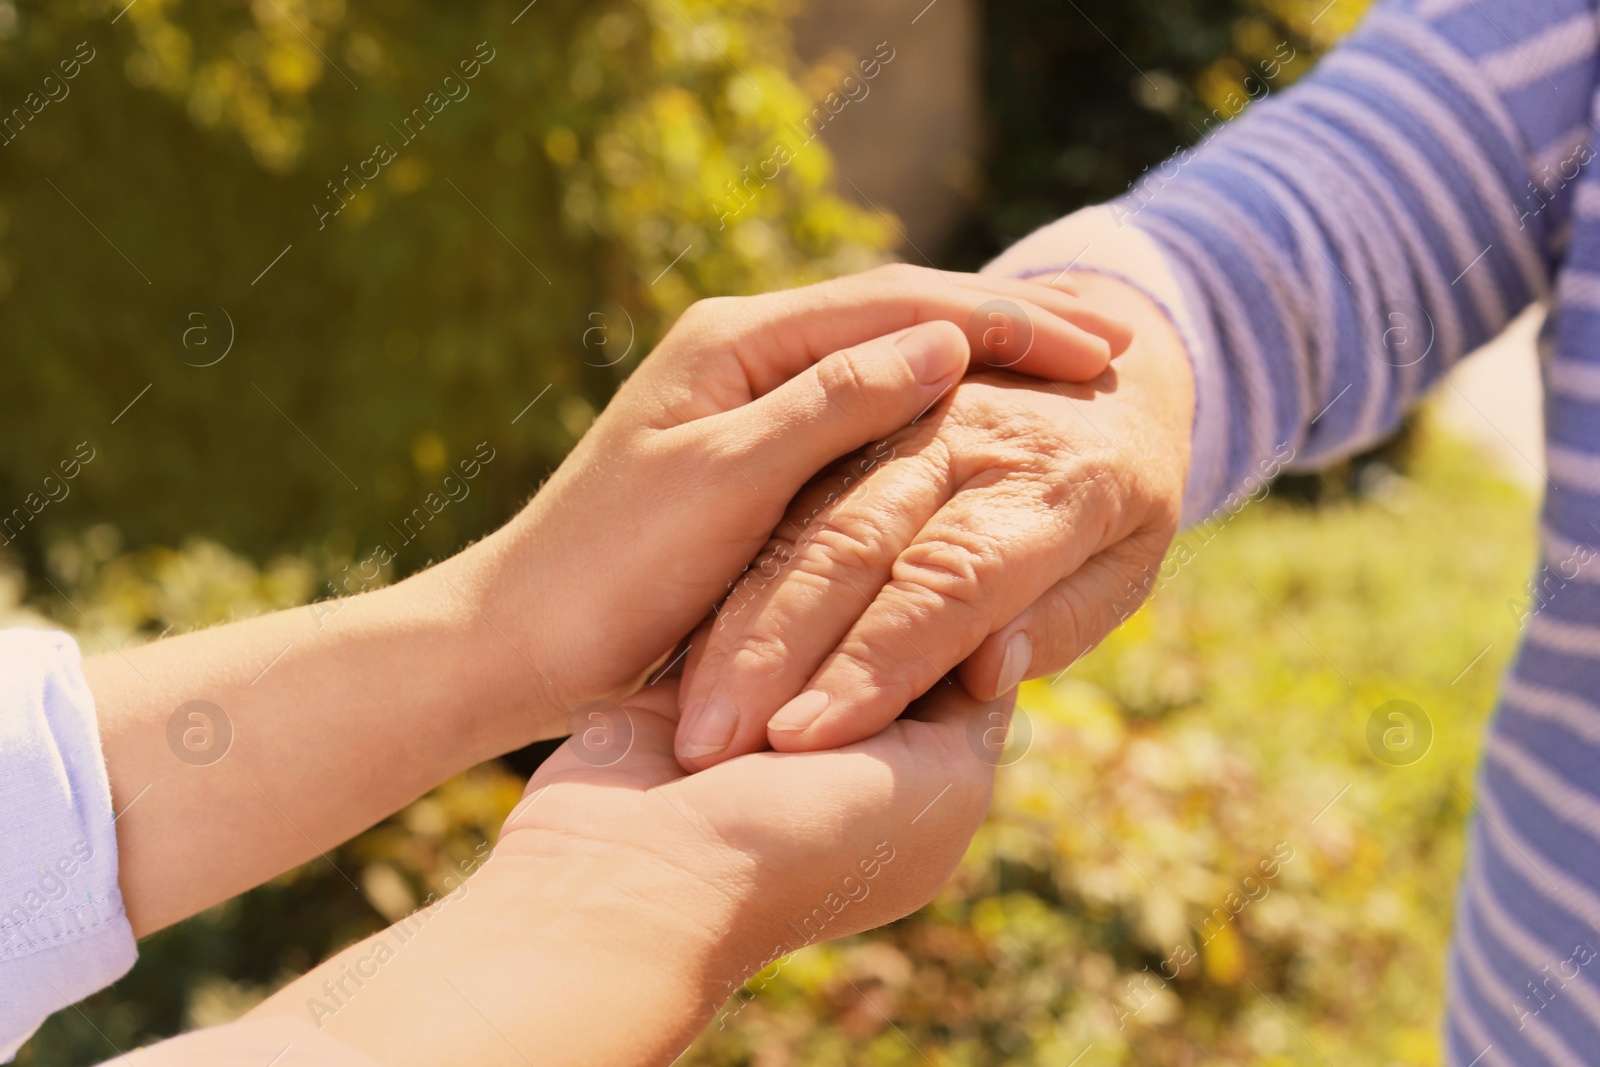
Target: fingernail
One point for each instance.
(1018, 658)
(709, 728)
(930, 357)
(800, 712)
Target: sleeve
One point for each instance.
(63, 931)
(1331, 253)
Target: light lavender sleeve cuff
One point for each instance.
(1101, 240)
(63, 931)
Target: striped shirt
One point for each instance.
(1327, 258)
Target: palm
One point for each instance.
(775, 833)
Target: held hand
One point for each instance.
(775, 850)
(682, 479)
(625, 902)
(1011, 528)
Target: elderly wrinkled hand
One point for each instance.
(684, 476)
(1006, 531)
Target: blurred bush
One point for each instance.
(1082, 97)
(518, 241)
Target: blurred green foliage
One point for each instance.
(518, 241)
(1082, 97)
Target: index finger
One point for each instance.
(745, 348)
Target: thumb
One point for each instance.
(849, 399)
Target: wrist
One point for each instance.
(492, 600)
(658, 909)
(560, 951)
(1096, 253)
(552, 630)
(417, 632)
(618, 925)
(1156, 373)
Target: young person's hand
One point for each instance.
(625, 902)
(684, 476)
(1007, 532)
(238, 751)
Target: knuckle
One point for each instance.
(1023, 438)
(1103, 477)
(842, 381)
(776, 554)
(707, 320)
(899, 272)
(1048, 449)
(921, 447)
(715, 453)
(1080, 616)
(760, 648)
(876, 670)
(710, 308)
(847, 542)
(762, 571)
(1065, 626)
(952, 573)
(1061, 465)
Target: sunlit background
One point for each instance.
(272, 278)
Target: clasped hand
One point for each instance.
(905, 519)
(1005, 531)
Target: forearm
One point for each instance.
(555, 961)
(306, 727)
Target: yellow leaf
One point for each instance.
(1225, 957)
